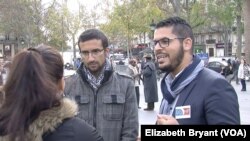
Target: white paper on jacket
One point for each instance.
(182, 112)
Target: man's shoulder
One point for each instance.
(210, 76)
(124, 75)
(71, 78)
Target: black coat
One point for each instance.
(73, 129)
(212, 101)
(150, 82)
(59, 124)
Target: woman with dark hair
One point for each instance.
(243, 74)
(33, 107)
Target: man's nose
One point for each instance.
(157, 47)
(91, 57)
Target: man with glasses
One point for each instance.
(106, 99)
(192, 94)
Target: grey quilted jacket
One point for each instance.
(112, 108)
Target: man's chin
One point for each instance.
(93, 69)
(165, 68)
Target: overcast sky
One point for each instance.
(73, 4)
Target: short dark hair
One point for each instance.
(93, 34)
(180, 27)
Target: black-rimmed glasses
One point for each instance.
(164, 42)
(94, 52)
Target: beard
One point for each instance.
(174, 62)
(94, 67)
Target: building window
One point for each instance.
(202, 39)
(196, 39)
(219, 39)
(210, 37)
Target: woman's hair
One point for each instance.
(31, 86)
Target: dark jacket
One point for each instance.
(59, 124)
(150, 82)
(212, 100)
(73, 129)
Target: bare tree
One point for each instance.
(246, 11)
(239, 27)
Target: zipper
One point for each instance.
(95, 108)
(95, 102)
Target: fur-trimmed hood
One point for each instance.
(49, 119)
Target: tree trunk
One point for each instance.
(74, 47)
(176, 5)
(246, 11)
(239, 36)
(238, 29)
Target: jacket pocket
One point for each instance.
(113, 107)
(83, 103)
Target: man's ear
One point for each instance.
(187, 44)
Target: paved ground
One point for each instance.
(149, 117)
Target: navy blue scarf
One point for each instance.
(178, 80)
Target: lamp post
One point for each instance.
(152, 28)
(22, 42)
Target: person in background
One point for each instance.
(2, 71)
(243, 74)
(227, 69)
(143, 60)
(5, 71)
(106, 98)
(32, 104)
(134, 73)
(138, 66)
(235, 68)
(205, 95)
(77, 63)
(150, 82)
(111, 59)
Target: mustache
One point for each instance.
(92, 63)
(162, 54)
